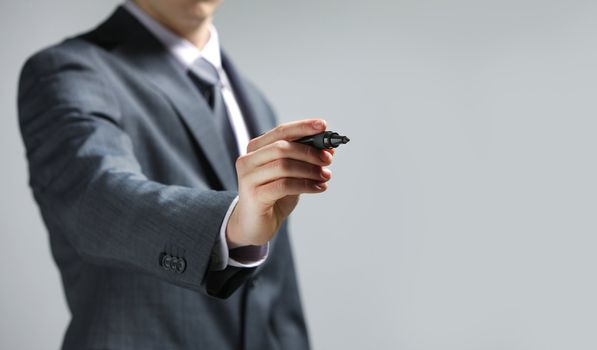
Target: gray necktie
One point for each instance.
(207, 79)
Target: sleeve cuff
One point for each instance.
(249, 256)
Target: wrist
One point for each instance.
(231, 231)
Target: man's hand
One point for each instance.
(271, 176)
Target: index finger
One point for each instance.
(289, 132)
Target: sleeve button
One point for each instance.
(181, 266)
(166, 262)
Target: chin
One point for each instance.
(201, 9)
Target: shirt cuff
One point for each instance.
(248, 256)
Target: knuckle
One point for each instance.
(278, 185)
(283, 165)
(281, 146)
(280, 132)
(285, 184)
(262, 193)
(259, 192)
(309, 151)
(252, 145)
(241, 162)
(303, 185)
(274, 165)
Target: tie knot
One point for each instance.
(205, 71)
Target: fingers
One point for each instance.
(283, 187)
(283, 149)
(275, 167)
(286, 168)
(288, 131)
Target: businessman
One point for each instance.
(165, 183)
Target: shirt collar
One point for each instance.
(184, 51)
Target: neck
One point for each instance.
(197, 35)
(196, 31)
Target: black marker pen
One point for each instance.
(327, 139)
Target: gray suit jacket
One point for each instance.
(128, 170)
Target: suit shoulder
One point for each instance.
(73, 61)
(68, 74)
(68, 52)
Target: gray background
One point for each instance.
(462, 214)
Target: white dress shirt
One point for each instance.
(186, 53)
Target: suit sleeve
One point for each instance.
(91, 189)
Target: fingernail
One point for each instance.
(318, 125)
(326, 173)
(318, 186)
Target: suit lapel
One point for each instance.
(153, 62)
